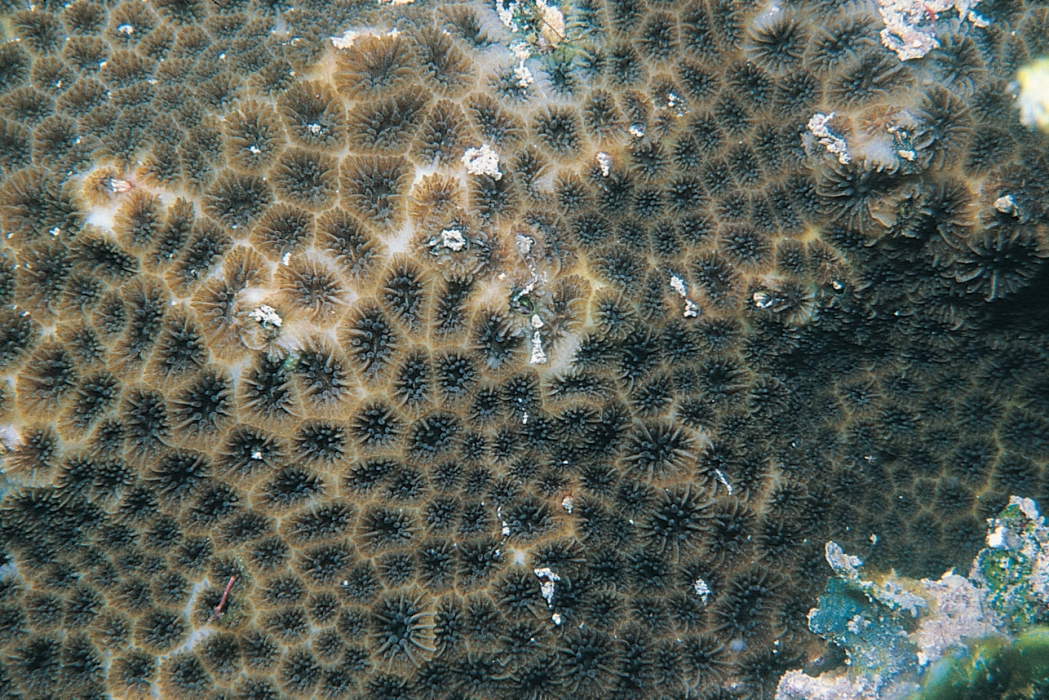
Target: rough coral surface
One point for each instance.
(513, 349)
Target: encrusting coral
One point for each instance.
(501, 349)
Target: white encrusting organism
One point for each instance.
(482, 161)
(267, 317)
(547, 583)
(819, 126)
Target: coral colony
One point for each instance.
(525, 349)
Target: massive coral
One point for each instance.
(516, 350)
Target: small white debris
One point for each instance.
(702, 589)
(763, 299)
(453, 239)
(256, 455)
(678, 285)
(676, 105)
(126, 29)
(524, 419)
(118, 185)
(547, 581)
(604, 161)
(819, 126)
(723, 479)
(874, 539)
(637, 130)
(536, 321)
(505, 526)
(254, 149)
(1007, 205)
(568, 503)
(902, 142)
(286, 258)
(538, 356)
(556, 617)
(314, 128)
(267, 317)
(55, 231)
(482, 161)
(522, 76)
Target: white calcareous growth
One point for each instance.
(702, 589)
(819, 126)
(267, 317)
(678, 285)
(691, 310)
(547, 583)
(482, 161)
(910, 25)
(604, 161)
(522, 76)
(453, 239)
(538, 356)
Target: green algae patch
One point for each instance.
(874, 633)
